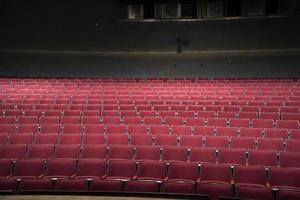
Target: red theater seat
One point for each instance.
(141, 139)
(24, 138)
(243, 142)
(202, 155)
(216, 141)
(121, 169)
(262, 157)
(293, 145)
(33, 168)
(175, 153)
(232, 156)
(41, 151)
(165, 140)
(67, 151)
(251, 182)
(90, 168)
(143, 152)
(215, 181)
(181, 178)
(289, 159)
(120, 152)
(60, 168)
(270, 144)
(94, 151)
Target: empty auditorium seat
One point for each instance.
(215, 180)
(33, 168)
(25, 138)
(263, 123)
(121, 139)
(90, 120)
(191, 141)
(247, 115)
(181, 130)
(251, 182)
(204, 130)
(40, 151)
(120, 152)
(60, 168)
(293, 145)
(70, 185)
(8, 120)
(28, 128)
(269, 115)
(186, 114)
(174, 153)
(217, 122)
(69, 139)
(173, 121)
(116, 129)
(276, 133)
(5, 168)
(216, 141)
(206, 114)
(137, 129)
(232, 156)
(270, 144)
(3, 139)
(7, 128)
(132, 120)
(94, 129)
(152, 120)
(151, 170)
(165, 140)
(90, 168)
(239, 123)
(251, 132)
(288, 124)
(93, 139)
(227, 131)
(289, 159)
(67, 151)
(262, 157)
(141, 139)
(46, 138)
(28, 120)
(50, 128)
(72, 129)
(226, 114)
(194, 121)
(181, 178)
(111, 120)
(158, 129)
(242, 142)
(121, 169)
(147, 152)
(202, 155)
(93, 151)
(286, 180)
(166, 113)
(295, 134)
(49, 120)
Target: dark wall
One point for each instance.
(147, 65)
(95, 26)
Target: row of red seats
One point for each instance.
(214, 180)
(83, 97)
(237, 127)
(268, 120)
(234, 156)
(277, 144)
(10, 109)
